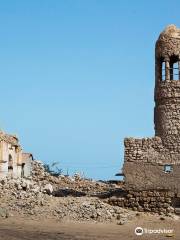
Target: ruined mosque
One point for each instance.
(13, 161)
(154, 163)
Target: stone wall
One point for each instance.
(149, 150)
(143, 150)
(145, 160)
(8, 152)
(27, 159)
(167, 114)
(145, 201)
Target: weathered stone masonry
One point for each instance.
(13, 162)
(150, 201)
(145, 161)
(154, 163)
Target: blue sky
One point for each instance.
(78, 76)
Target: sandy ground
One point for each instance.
(17, 228)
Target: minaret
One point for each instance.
(167, 88)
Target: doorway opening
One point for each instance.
(22, 170)
(10, 165)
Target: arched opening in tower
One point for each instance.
(174, 68)
(163, 70)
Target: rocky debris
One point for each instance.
(4, 212)
(92, 209)
(68, 192)
(48, 188)
(75, 183)
(74, 198)
(38, 172)
(25, 197)
(69, 198)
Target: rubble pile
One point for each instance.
(26, 197)
(62, 197)
(92, 209)
(70, 198)
(75, 183)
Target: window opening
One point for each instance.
(174, 68)
(168, 168)
(163, 72)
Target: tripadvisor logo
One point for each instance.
(139, 231)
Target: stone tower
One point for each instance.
(167, 88)
(154, 163)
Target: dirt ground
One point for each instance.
(17, 228)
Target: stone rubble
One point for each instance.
(76, 183)
(75, 199)
(35, 197)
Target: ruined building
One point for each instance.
(13, 162)
(154, 163)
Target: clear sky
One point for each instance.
(77, 76)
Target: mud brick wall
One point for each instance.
(145, 201)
